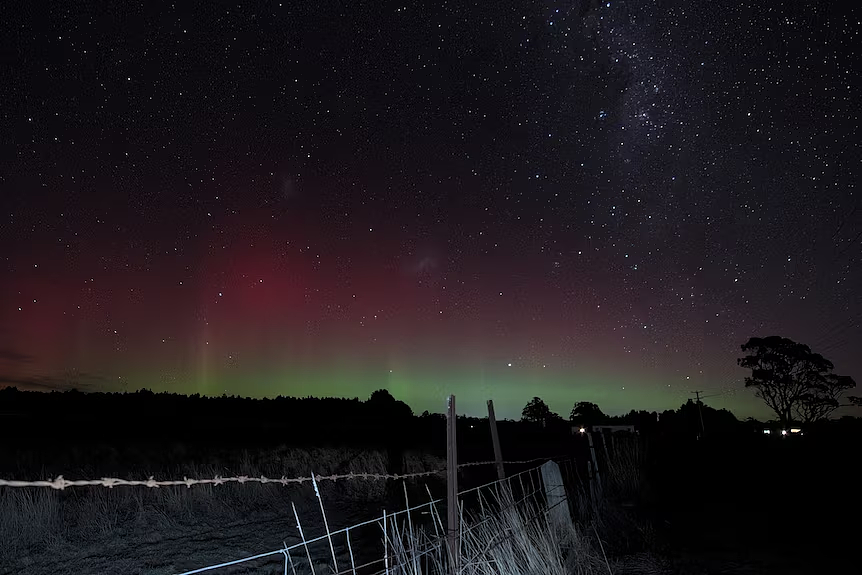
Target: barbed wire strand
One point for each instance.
(61, 482)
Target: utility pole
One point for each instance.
(699, 411)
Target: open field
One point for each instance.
(733, 502)
(166, 530)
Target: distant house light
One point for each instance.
(795, 430)
(783, 432)
(582, 430)
(767, 431)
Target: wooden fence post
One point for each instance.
(595, 461)
(605, 445)
(555, 493)
(452, 482)
(495, 439)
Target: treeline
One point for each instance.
(691, 418)
(161, 429)
(73, 415)
(30, 416)
(34, 420)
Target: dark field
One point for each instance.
(735, 501)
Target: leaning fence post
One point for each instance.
(495, 439)
(452, 481)
(605, 445)
(595, 461)
(555, 494)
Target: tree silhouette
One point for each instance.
(792, 381)
(587, 413)
(381, 397)
(823, 398)
(383, 405)
(855, 400)
(393, 419)
(537, 411)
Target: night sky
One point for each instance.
(578, 200)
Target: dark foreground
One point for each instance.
(750, 504)
(734, 502)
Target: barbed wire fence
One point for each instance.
(61, 482)
(526, 484)
(507, 492)
(523, 486)
(338, 546)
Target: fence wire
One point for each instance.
(61, 482)
(300, 549)
(303, 545)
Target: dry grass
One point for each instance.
(36, 522)
(503, 537)
(509, 537)
(611, 510)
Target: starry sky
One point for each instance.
(582, 201)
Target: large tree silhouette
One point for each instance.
(587, 413)
(537, 411)
(792, 381)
